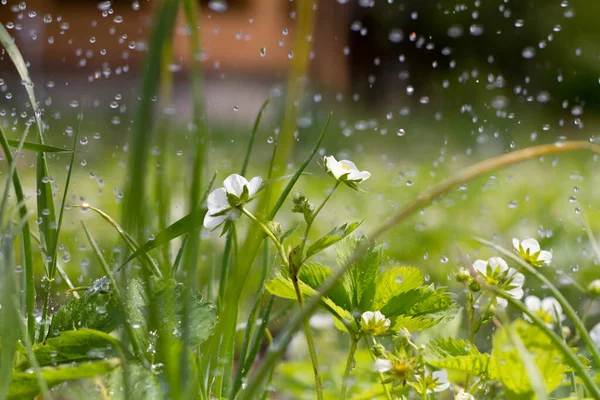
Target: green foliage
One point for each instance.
(96, 309)
(331, 238)
(74, 346)
(40, 148)
(25, 384)
(507, 366)
(457, 354)
(403, 298)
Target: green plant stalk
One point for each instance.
(8, 316)
(374, 357)
(26, 239)
(307, 330)
(422, 200)
(227, 259)
(348, 368)
(314, 216)
(261, 111)
(568, 309)
(245, 362)
(135, 343)
(570, 357)
(131, 243)
(559, 324)
(200, 136)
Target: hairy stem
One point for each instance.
(349, 364)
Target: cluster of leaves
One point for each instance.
(505, 363)
(398, 291)
(79, 343)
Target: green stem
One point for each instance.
(314, 215)
(270, 234)
(570, 357)
(349, 364)
(568, 309)
(374, 357)
(307, 330)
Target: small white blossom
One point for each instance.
(545, 309)
(345, 170)
(382, 365)
(374, 323)
(529, 250)
(222, 202)
(439, 381)
(496, 272)
(462, 395)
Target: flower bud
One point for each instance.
(594, 287)
(302, 205)
(378, 349)
(463, 275)
(566, 331)
(474, 286)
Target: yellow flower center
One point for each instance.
(401, 369)
(345, 167)
(544, 316)
(491, 280)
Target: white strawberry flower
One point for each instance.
(529, 250)
(438, 381)
(374, 323)
(345, 171)
(595, 334)
(548, 309)
(382, 365)
(223, 203)
(496, 272)
(462, 395)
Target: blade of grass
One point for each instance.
(200, 134)
(135, 207)
(261, 111)
(422, 200)
(26, 238)
(299, 172)
(9, 315)
(45, 201)
(135, 342)
(66, 191)
(131, 243)
(182, 226)
(40, 148)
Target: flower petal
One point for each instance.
(516, 293)
(502, 303)
(516, 243)
(382, 365)
(533, 303)
(530, 244)
(545, 256)
(595, 334)
(234, 184)
(518, 279)
(549, 304)
(211, 222)
(480, 266)
(254, 185)
(217, 201)
(498, 262)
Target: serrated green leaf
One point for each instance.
(456, 354)
(449, 347)
(143, 384)
(283, 287)
(25, 385)
(40, 148)
(74, 346)
(331, 238)
(314, 274)
(97, 309)
(434, 301)
(507, 365)
(419, 323)
(394, 281)
(402, 303)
